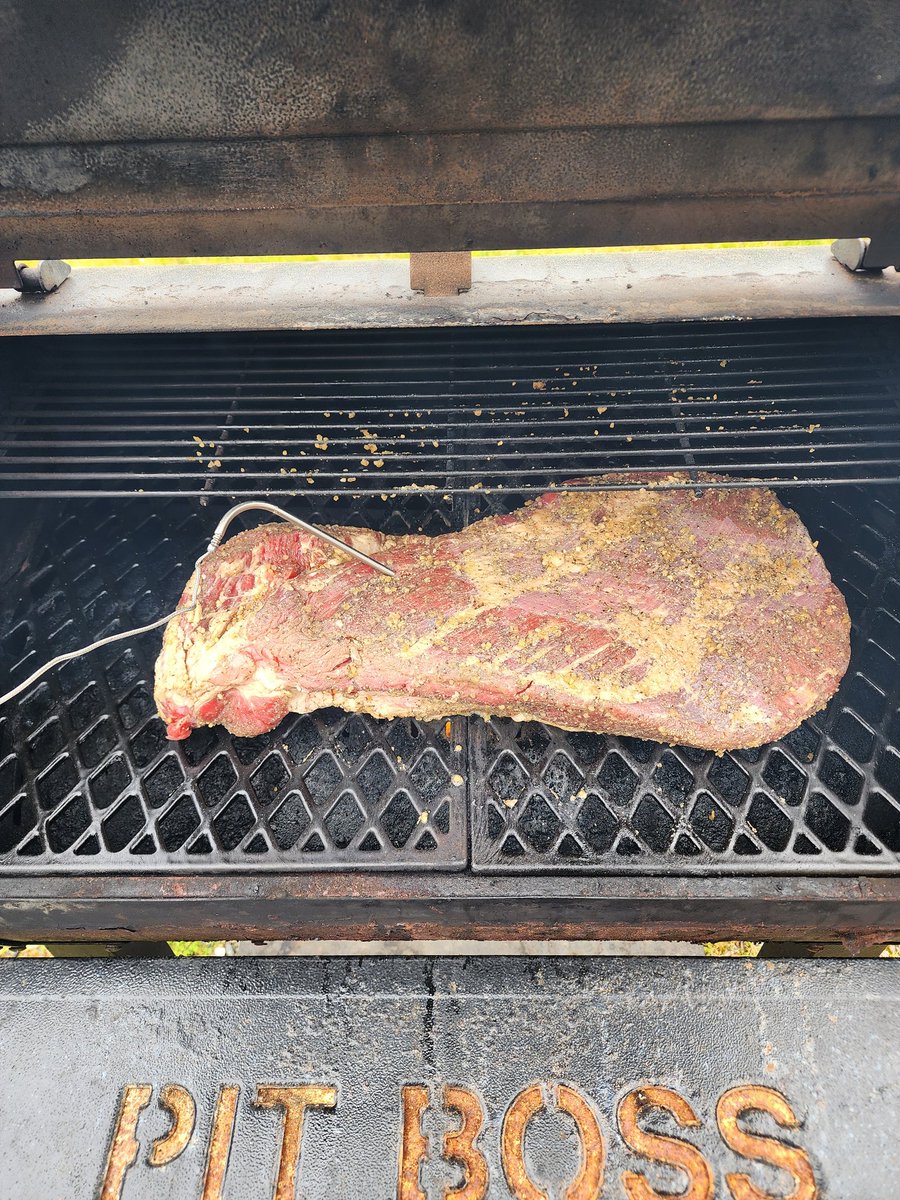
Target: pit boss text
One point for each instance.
(462, 1144)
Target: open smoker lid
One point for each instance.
(178, 127)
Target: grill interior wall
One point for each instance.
(463, 422)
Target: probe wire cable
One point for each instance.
(194, 603)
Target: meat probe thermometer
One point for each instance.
(214, 543)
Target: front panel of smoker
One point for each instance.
(348, 1035)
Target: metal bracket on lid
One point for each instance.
(445, 274)
(867, 254)
(43, 279)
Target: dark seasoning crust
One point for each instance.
(706, 619)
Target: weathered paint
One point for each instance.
(578, 1078)
(204, 128)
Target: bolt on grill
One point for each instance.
(87, 778)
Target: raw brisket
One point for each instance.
(707, 619)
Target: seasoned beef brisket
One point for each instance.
(705, 618)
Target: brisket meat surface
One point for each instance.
(707, 619)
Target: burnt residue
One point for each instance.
(344, 69)
(278, 127)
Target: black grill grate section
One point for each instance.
(368, 413)
(88, 777)
(824, 799)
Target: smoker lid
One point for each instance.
(181, 128)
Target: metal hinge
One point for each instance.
(46, 277)
(861, 254)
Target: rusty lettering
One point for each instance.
(220, 1142)
(413, 1143)
(124, 1146)
(588, 1182)
(672, 1151)
(749, 1098)
(512, 1143)
(294, 1101)
(459, 1144)
(179, 1102)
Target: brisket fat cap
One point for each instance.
(707, 619)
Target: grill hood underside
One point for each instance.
(185, 128)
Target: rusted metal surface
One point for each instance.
(220, 1138)
(441, 274)
(179, 1103)
(737, 1103)
(351, 68)
(293, 1102)
(658, 1148)
(459, 1144)
(580, 1079)
(124, 1147)
(336, 905)
(588, 1181)
(413, 1144)
(184, 128)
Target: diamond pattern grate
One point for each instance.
(825, 798)
(87, 775)
(88, 779)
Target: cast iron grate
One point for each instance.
(87, 778)
(87, 775)
(824, 799)
(369, 412)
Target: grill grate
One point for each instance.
(88, 780)
(507, 409)
(825, 798)
(88, 777)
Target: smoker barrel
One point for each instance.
(423, 396)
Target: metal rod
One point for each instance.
(427, 405)
(639, 445)
(514, 472)
(412, 448)
(177, 433)
(213, 545)
(512, 489)
(264, 506)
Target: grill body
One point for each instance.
(288, 128)
(113, 506)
